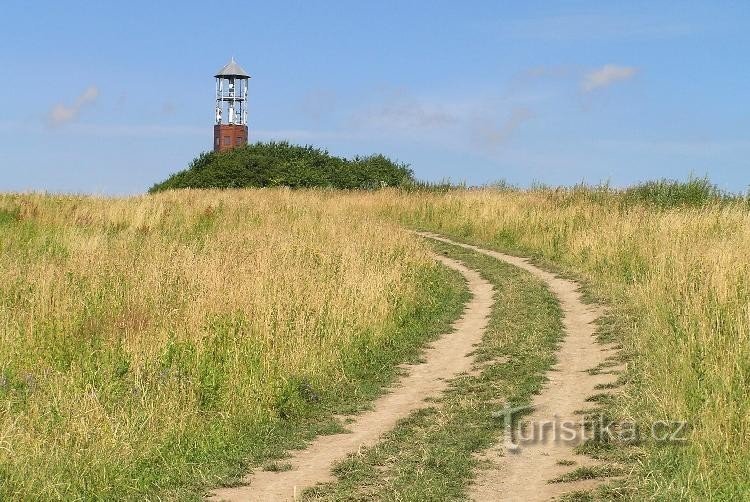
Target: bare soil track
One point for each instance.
(446, 358)
(520, 475)
(524, 474)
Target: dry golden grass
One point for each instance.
(140, 335)
(682, 279)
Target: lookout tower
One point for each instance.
(230, 128)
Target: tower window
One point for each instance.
(238, 140)
(227, 141)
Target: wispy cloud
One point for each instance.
(61, 113)
(401, 111)
(486, 120)
(490, 134)
(539, 83)
(606, 75)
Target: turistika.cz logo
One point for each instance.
(596, 427)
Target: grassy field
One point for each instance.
(678, 279)
(155, 346)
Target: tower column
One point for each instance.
(230, 126)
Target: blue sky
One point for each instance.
(109, 97)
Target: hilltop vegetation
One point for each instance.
(282, 164)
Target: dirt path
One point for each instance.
(522, 471)
(446, 358)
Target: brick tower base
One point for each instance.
(228, 136)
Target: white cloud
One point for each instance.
(61, 113)
(490, 134)
(606, 75)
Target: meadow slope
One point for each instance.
(155, 346)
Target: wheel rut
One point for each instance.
(524, 470)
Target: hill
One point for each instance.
(283, 164)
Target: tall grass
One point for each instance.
(148, 345)
(671, 193)
(682, 278)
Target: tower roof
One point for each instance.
(232, 69)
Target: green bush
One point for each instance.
(672, 193)
(283, 164)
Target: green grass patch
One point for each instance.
(278, 467)
(588, 472)
(667, 194)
